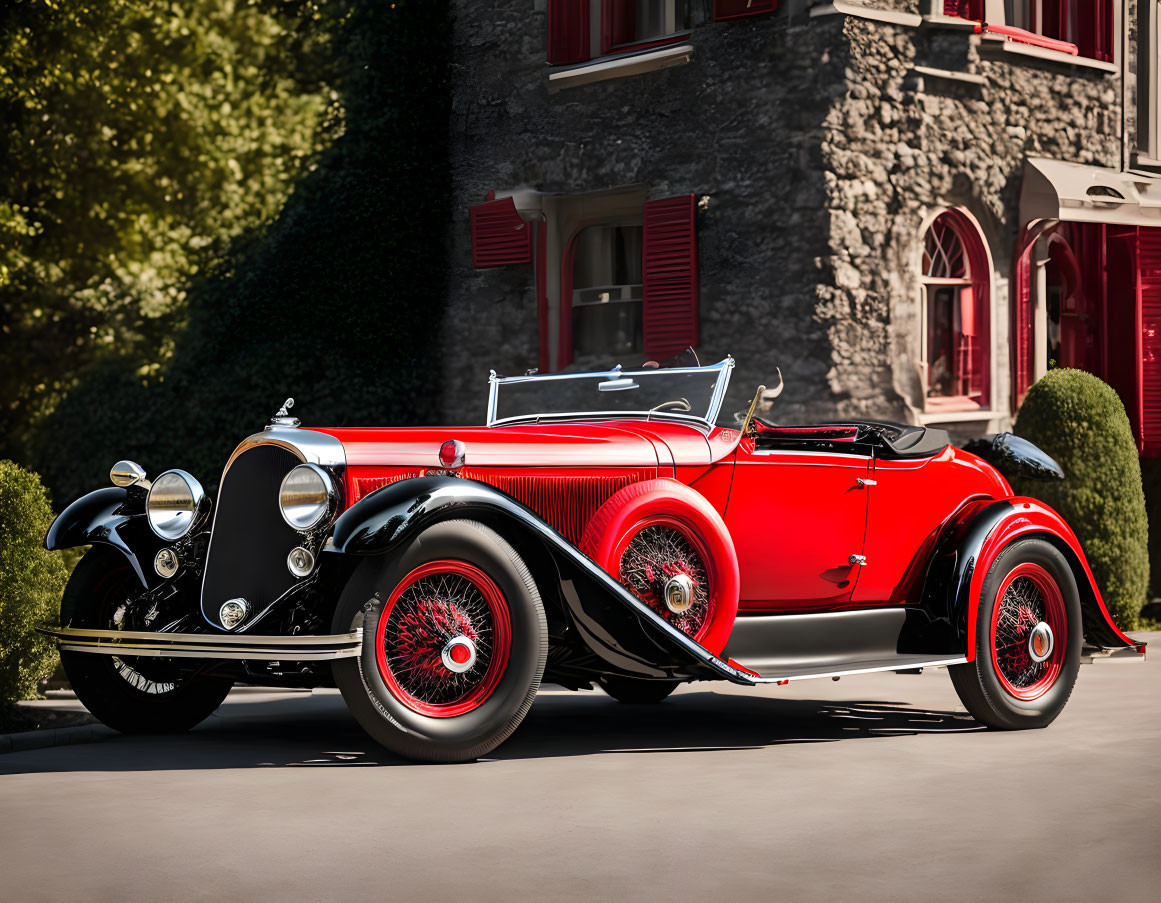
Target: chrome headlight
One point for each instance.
(173, 504)
(306, 496)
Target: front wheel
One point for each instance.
(134, 695)
(1028, 640)
(454, 644)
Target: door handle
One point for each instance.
(856, 559)
(865, 482)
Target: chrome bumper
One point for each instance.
(208, 645)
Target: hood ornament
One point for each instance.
(282, 417)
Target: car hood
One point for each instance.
(545, 445)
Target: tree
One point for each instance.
(139, 139)
(335, 297)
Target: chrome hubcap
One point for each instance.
(679, 593)
(458, 654)
(1040, 642)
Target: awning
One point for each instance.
(1076, 193)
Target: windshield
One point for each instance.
(691, 393)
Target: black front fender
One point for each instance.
(113, 516)
(615, 625)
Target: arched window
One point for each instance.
(955, 360)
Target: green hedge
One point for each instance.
(1081, 422)
(32, 580)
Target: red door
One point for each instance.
(796, 518)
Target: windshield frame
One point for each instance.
(722, 369)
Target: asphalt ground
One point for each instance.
(877, 787)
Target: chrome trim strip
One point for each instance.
(208, 645)
(906, 666)
(312, 447)
(724, 367)
(568, 416)
(762, 452)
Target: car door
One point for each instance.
(797, 513)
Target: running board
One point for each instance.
(311, 648)
(895, 663)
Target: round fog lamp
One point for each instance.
(166, 563)
(305, 496)
(233, 612)
(173, 503)
(300, 562)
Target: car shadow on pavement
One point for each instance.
(317, 731)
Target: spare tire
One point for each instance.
(656, 530)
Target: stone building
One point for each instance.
(910, 207)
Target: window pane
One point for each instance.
(943, 252)
(607, 329)
(634, 21)
(607, 291)
(942, 332)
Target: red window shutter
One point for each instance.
(1149, 276)
(669, 266)
(568, 31)
(736, 9)
(964, 9)
(499, 236)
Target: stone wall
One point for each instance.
(900, 146)
(824, 155)
(740, 123)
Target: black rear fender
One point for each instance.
(596, 626)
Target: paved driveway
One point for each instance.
(872, 788)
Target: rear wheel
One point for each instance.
(634, 691)
(131, 694)
(1028, 640)
(454, 645)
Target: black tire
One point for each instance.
(111, 687)
(382, 712)
(987, 694)
(633, 691)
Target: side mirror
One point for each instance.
(128, 473)
(1015, 457)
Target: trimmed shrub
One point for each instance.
(1081, 422)
(32, 580)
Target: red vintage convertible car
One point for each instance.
(601, 528)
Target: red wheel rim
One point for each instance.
(657, 548)
(1029, 595)
(432, 606)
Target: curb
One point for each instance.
(61, 736)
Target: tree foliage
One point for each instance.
(31, 582)
(1080, 421)
(236, 202)
(139, 139)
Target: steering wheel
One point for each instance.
(678, 404)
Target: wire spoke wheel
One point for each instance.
(134, 694)
(657, 551)
(444, 638)
(118, 609)
(1029, 631)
